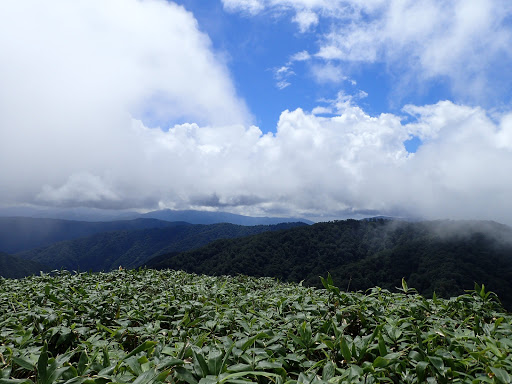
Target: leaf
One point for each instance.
(146, 378)
(23, 363)
(501, 375)
(42, 363)
(82, 363)
(185, 375)
(265, 364)
(345, 350)
(248, 373)
(328, 371)
(215, 362)
(248, 343)
(381, 362)
(143, 347)
(420, 370)
(169, 362)
(199, 363)
(382, 346)
(404, 285)
(239, 368)
(438, 363)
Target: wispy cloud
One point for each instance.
(467, 44)
(282, 76)
(306, 20)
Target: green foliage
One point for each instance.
(154, 327)
(442, 257)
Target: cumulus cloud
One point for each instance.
(145, 57)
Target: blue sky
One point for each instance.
(257, 45)
(314, 108)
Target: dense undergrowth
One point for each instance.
(150, 326)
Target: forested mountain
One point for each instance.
(14, 267)
(19, 234)
(109, 250)
(444, 256)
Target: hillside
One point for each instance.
(13, 267)
(130, 249)
(19, 234)
(446, 256)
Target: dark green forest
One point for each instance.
(445, 257)
(19, 234)
(108, 250)
(13, 267)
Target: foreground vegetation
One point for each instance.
(163, 326)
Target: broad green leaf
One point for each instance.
(438, 363)
(24, 363)
(143, 347)
(215, 362)
(345, 350)
(328, 371)
(421, 367)
(501, 375)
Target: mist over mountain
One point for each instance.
(446, 257)
(18, 234)
(205, 217)
(38, 227)
(131, 248)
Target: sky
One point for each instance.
(322, 109)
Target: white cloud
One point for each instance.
(321, 110)
(328, 73)
(73, 73)
(80, 188)
(72, 79)
(146, 57)
(300, 56)
(282, 76)
(306, 20)
(251, 6)
(466, 44)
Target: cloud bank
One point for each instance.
(84, 87)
